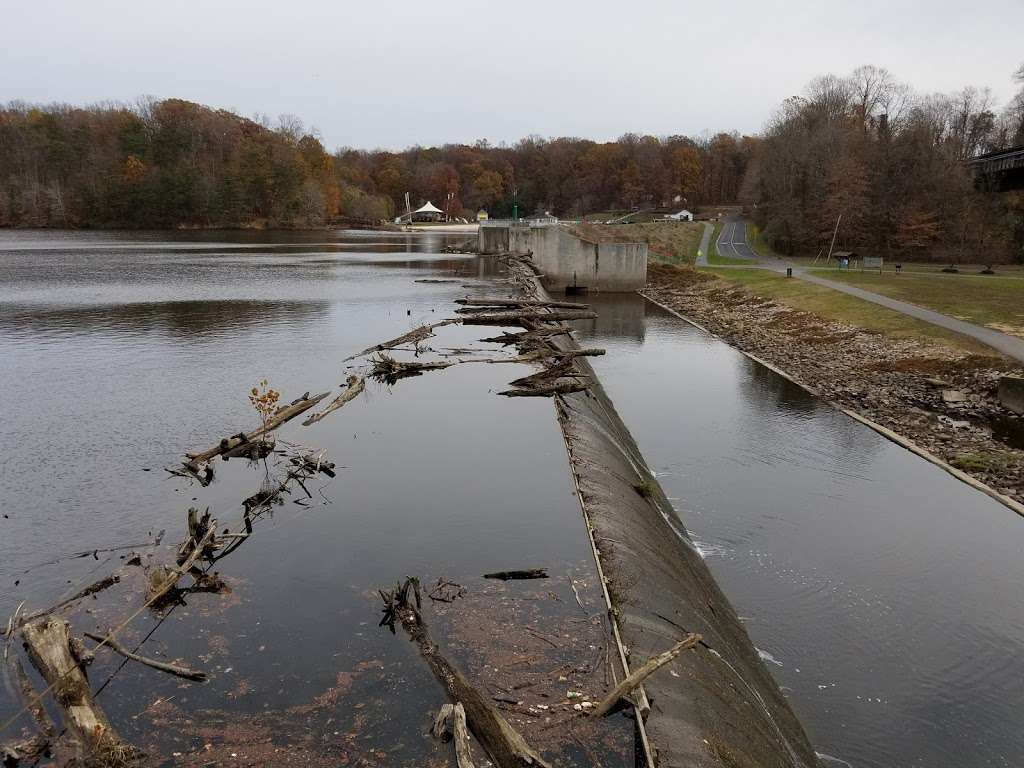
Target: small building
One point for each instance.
(682, 215)
(481, 215)
(428, 212)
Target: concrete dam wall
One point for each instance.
(567, 260)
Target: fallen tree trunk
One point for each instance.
(503, 743)
(356, 384)
(520, 303)
(522, 336)
(173, 669)
(517, 318)
(48, 643)
(228, 443)
(564, 388)
(637, 676)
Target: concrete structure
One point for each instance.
(567, 260)
(1011, 393)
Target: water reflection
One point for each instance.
(620, 315)
(186, 319)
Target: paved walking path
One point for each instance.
(733, 242)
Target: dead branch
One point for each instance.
(228, 443)
(173, 669)
(165, 586)
(356, 384)
(637, 676)
(531, 573)
(387, 369)
(505, 746)
(415, 336)
(92, 589)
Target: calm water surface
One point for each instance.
(884, 594)
(121, 352)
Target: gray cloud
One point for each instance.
(395, 74)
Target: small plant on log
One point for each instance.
(264, 400)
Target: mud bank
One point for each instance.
(717, 705)
(938, 401)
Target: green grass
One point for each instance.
(840, 307)
(991, 300)
(926, 267)
(757, 243)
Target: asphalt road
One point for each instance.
(732, 242)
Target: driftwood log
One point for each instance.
(520, 337)
(415, 336)
(523, 302)
(48, 642)
(503, 743)
(463, 753)
(285, 414)
(517, 317)
(562, 388)
(530, 573)
(637, 676)
(356, 384)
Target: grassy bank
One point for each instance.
(991, 300)
(673, 242)
(760, 246)
(833, 305)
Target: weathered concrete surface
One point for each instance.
(569, 261)
(722, 708)
(1011, 393)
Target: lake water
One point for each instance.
(883, 594)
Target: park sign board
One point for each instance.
(871, 262)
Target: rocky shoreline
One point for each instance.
(941, 398)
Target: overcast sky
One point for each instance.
(392, 74)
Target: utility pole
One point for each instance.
(834, 233)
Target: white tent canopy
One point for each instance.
(428, 208)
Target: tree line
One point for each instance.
(864, 159)
(175, 163)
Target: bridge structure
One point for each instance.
(1003, 169)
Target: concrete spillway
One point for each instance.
(722, 707)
